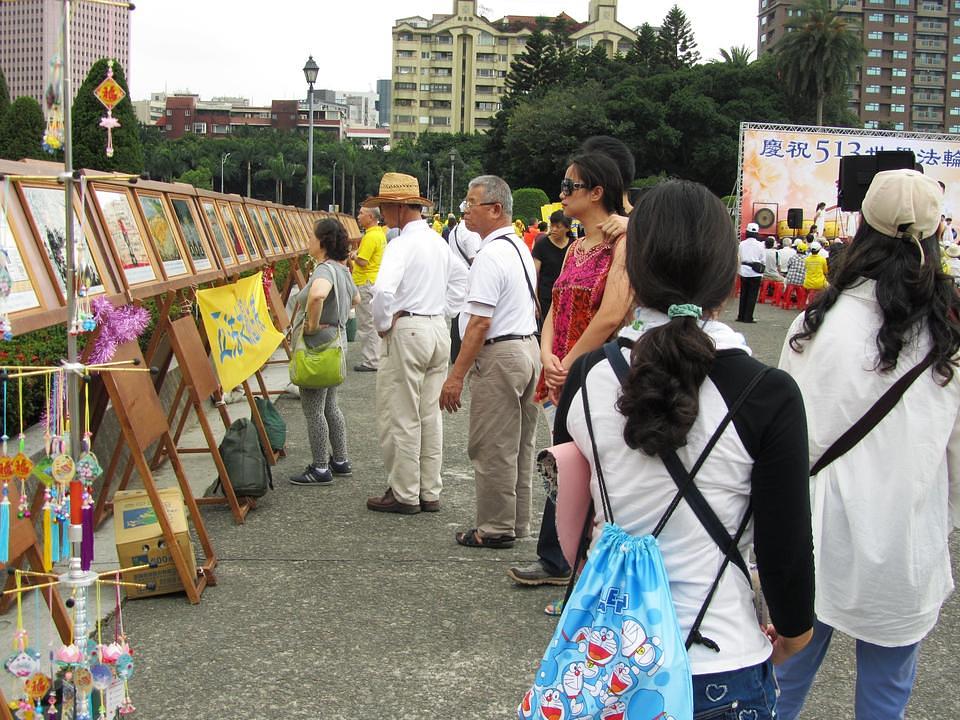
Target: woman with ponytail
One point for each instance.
(684, 372)
(886, 327)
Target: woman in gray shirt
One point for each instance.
(323, 307)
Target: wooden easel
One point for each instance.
(199, 382)
(143, 422)
(25, 547)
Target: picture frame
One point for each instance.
(122, 229)
(161, 231)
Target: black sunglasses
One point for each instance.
(568, 186)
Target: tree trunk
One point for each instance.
(820, 110)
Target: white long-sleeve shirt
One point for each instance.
(882, 513)
(418, 274)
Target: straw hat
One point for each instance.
(397, 188)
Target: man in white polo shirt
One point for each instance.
(418, 285)
(500, 352)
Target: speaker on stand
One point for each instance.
(795, 220)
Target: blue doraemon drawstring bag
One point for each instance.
(617, 651)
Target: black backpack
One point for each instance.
(246, 465)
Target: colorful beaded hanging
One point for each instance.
(109, 93)
(88, 470)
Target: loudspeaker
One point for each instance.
(795, 218)
(857, 171)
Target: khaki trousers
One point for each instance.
(413, 367)
(503, 424)
(367, 336)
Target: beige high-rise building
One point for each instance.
(449, 71)
(910, 77)
(30, 31)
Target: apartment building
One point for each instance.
(910, 77)
(30, 31)
(449, 71)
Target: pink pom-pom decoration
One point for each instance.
(117, 326)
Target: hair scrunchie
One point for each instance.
(687, 310)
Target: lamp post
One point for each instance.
(223, 159)
(333, 187)
(310, 73)
(429, 196)
(453, 156)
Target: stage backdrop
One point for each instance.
(786, 166)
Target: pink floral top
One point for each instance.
(577, 295)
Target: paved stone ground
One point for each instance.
(325, 610)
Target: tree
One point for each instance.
(90, 140)
(247, 153)
(21, 132)
(819, 53)
(4, 96)
(645, 52)
(200, 177)
(677, 46)
(280, 171)
(736, 55)
(527, 69)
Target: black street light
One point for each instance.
(310, 71)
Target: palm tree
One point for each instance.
(247, 153)
(280, 171)
(819, 53)
(738, 56)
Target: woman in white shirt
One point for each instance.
(882, 511)
(686, 369)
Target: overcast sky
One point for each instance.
(256, 48)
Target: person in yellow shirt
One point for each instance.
(816, 277)
(366, 264)
(437, 224)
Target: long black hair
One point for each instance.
(910, 296)
(599, 170)
(681, 249)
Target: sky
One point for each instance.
(257, 48)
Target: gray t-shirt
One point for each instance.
(336, 306)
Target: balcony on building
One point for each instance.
(936, 9)
(931, 44)
(929, 61)
(927, 97)
(935, 27)
(925, 80)
(925, 115)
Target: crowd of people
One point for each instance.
(848, 533)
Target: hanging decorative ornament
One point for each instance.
(117, 326)
(109, 93)
(53, 100)
(267, 279)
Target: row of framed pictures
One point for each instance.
(140, 238)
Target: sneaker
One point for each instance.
(313, 475)
(341, 468)
(537, 574)
(364, 368)
(291, 391)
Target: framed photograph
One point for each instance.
(44, 206)
(123, 231)
(279, 228)
(249, 216)
(268, 231)
(234, 218)
(163, 235)
(227, 241)
(190, 231)
(22, 296)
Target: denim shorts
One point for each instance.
(746, 694)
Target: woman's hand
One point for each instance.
(553, 371)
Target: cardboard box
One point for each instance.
(140, 540)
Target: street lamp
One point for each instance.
(429, 196)
(453, 156)
(333, 186)
(223, 159)
(310, 73)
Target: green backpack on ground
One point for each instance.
(247, 467)
(273, 422)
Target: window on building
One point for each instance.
(875, 17)
(586, 43)
(875, 35)
(901, 19)
(955, 93)
(898, 126)
(406, 70)
(434, 120)
(873, 70)
(899, 54)
(405, 86)
(405, 37)
(200, 128)
(898, 108)
(955, 111)
(898, 90)
(485, 73)
(871, 125)
(871, 107)
(485, 39)
(763, 20)
(487, 106)
(898, 72)
(874, 53)
(900, 37)
(169, 127)
(425, 55)
(872, 89)
(446, 39)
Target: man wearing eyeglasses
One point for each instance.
(501, 355)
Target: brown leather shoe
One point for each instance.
(389, 504)
(429, 505)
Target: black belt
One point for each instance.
(504, 338)
(407, 313)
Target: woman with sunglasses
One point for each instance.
(592, 295)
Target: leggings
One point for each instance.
(323, 418)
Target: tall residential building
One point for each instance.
(449, 71)
(30, 32)
(910, 77)
(384, 102)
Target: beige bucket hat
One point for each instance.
(398, 188)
